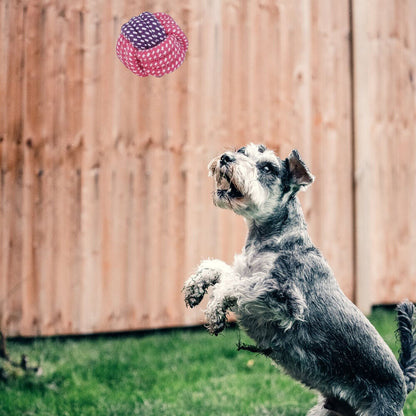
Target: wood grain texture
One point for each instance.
(385, 174)
(105, 201)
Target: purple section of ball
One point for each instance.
(144, 31)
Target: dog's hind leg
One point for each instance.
(331, 407)
(385, 411)
(319, 410)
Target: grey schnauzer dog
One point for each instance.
(286, 298)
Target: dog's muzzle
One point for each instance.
(227, 189)
(222, 169)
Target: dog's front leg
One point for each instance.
(209, 273)
(269, 300)
(223, 299)
(285, 304)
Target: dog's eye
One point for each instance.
(267, 168)
(242, 150)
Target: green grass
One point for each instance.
(179, 372)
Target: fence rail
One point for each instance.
(105, 204)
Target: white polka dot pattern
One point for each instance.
(144, 31)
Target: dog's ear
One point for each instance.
(299, 174)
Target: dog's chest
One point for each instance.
(251, 263)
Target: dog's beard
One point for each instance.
(228, 191)
(227, 185)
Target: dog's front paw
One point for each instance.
(208, 274)
(215, 329)
(194, 291)
(216, 321)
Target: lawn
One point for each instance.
(178, 372)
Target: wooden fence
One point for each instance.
(105, 204)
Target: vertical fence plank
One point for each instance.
(31, 139)
(92, 176)
(330, 208)
(4, 145)
(3, 155)
(12, 168)
(45, 168)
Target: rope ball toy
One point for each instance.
(151, 44)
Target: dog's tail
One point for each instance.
(407, 334)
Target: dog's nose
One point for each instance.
(226, 158)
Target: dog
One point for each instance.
(286, 298)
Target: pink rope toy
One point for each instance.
(151, 44)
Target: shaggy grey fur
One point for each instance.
(286, 297)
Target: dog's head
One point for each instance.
(254, 182)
